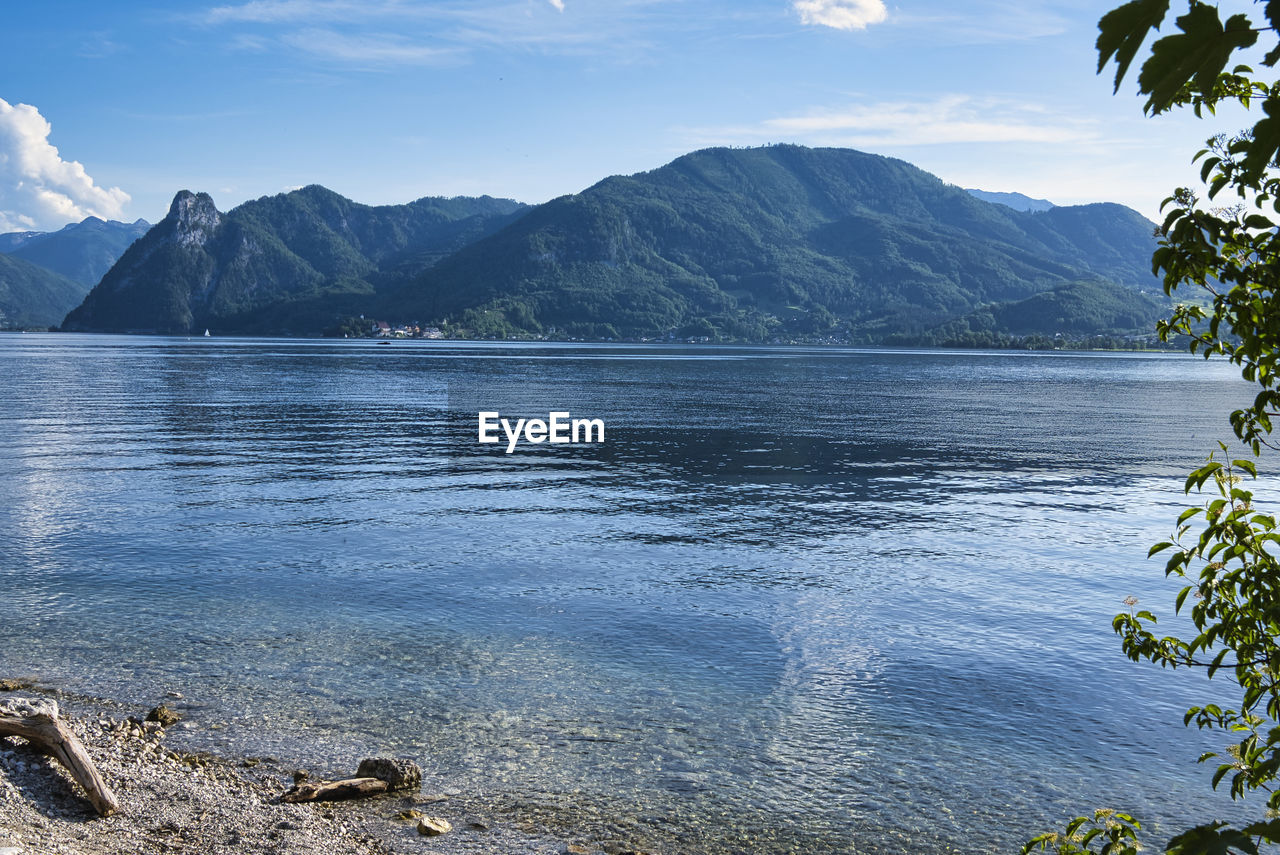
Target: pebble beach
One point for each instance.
(175, 801)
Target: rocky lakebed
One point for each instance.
(177, 801)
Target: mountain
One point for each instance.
(9, 241)
(1017, 201)
(82, 251)
(765, 242)
(1074, 310)
(286, 263)
(33, 297)
(754, 244)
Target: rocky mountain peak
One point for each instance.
(194, 216)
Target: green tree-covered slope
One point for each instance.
(288, 263)
(1074, 311)
(754, 244)
(751, 243)
(33, 297)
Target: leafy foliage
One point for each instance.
(1115, 834)
(1224, 550)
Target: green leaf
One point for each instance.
(1042, 840)
(1273, 18)
(1266, 141)
(1181, 598)
(1247, 466)
(1159, 547)
(1268, 831)
(1122, 31)
(1196, 56)
(1212, 839)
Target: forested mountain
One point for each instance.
(753, 244)
(33, 297)
(286, 263)
(1075, 311)
(783, 240)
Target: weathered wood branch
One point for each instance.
(38, 723)
(375, 775)
(330, 791)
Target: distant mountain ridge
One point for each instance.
(1017, 201)
(10, 241)
(82, 251)
(750, 244)
(44, 275)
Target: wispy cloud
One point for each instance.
(38, 189)
(288, 11)
(195, 116)
(385, 33)
(487, 13)
(983, 22)
(372, 49)
(945, 120)
(100, 46)
(841, 14)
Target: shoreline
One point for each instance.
(177, 801)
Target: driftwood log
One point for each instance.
(330, 791)
(375, 775)
(38, 723)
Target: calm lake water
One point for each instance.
(799, 600)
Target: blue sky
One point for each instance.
(110, 108)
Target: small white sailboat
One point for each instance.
(206, 333)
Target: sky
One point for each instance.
(109, 109)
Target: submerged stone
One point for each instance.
(164, 716)
(432, 826)
(399, 774)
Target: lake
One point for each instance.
(800, 599)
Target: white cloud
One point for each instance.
(559, 4)
(949, 119)
(378, 49)
(38, 189)
(841, 14)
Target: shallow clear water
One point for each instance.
(799, 600)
